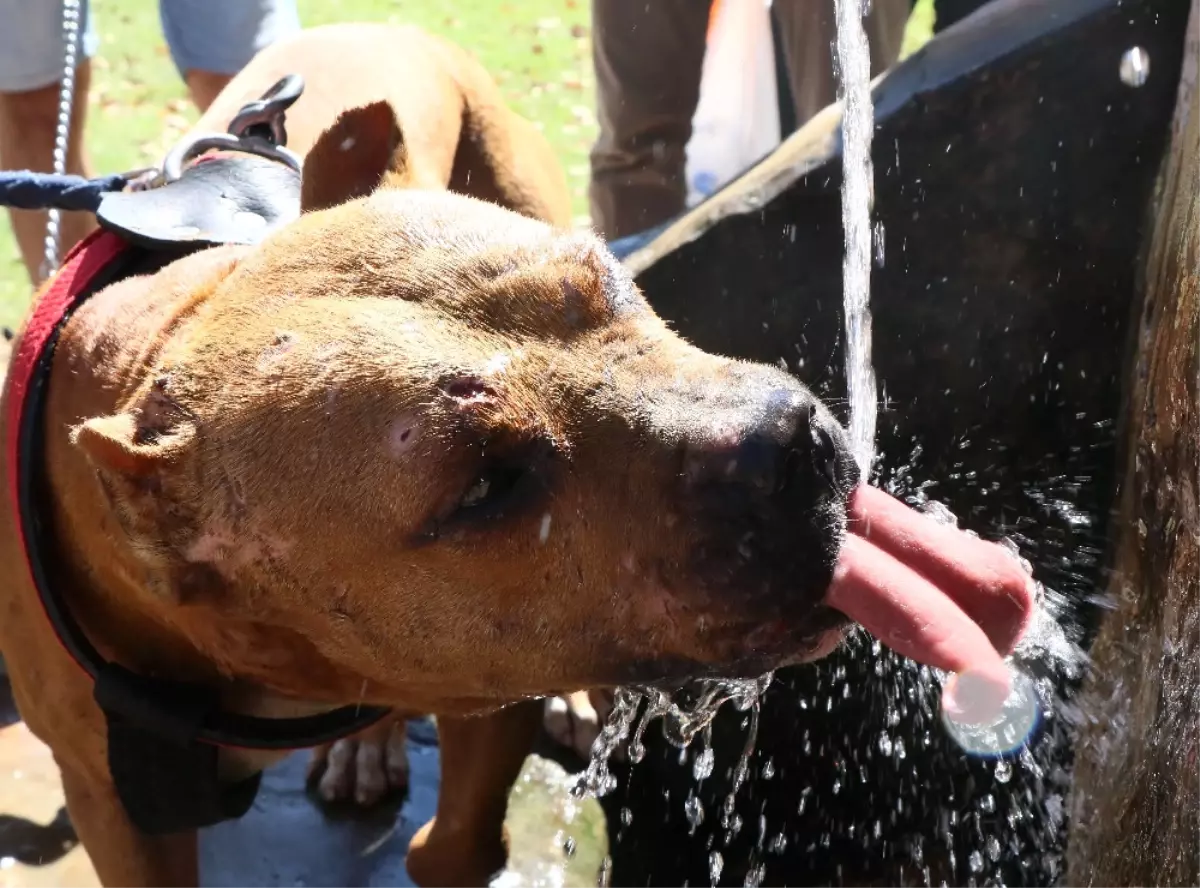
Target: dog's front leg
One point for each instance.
(121, 854)
(465, 844)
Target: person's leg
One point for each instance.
(211, 40)
(31, 66)
(809, 32)
(648, 58)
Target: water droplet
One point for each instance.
(940, 513)
(693, 810)
(597, 781)
(1005, 730)
(702, 767)
(626, 817)
(741, 772)
(1135, 67)
(768, 769)
(877, 240)
(755, 876)
(716, 863)
(569, 846)
(778, 844)
(993, 849)
(1003, 771)
(885, 744)
(975, 862)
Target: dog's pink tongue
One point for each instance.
(931, 592)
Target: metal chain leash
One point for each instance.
(66, 97)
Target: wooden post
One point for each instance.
(1136, 805)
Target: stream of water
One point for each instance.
(858, 199)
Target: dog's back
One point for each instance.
(458, 133)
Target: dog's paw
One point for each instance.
(364, 767)
(574, 721)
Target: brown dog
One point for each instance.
(416, 450)
(454, 129)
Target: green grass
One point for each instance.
(920, 28)
(538, 50)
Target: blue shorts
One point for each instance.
(206, 35)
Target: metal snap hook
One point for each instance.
(265, 117)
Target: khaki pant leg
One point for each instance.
(809, 32)
(648, 56)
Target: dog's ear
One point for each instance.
(140, 442)
(121, 447)
(353, 157)
(139, 457)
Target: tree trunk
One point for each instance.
(1136, 804)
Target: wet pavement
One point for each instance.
(287, 839)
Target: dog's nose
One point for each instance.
(830, 453)
(799, 451)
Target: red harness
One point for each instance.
(52, 305)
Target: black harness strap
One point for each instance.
(167, 780)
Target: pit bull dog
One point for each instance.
(420, 452)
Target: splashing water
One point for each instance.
(684, 713)
(1045, 655)
(1044, 640)
(681, 723)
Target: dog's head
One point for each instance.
(456, 450)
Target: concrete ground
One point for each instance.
(287, 839)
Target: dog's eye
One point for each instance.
(510, 482)
(502, 487)
(477, 493)
(496, 482)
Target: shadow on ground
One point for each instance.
(287, 839)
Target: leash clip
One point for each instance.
(256, 129)
(265, 118)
